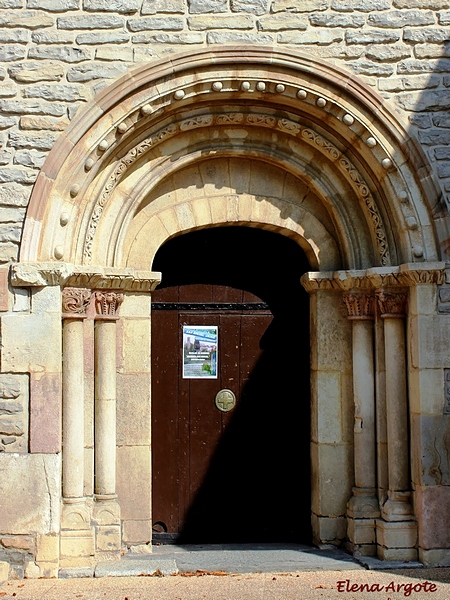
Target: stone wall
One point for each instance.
(56, 54)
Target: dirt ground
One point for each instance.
(416, 584)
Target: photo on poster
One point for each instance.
(200, 351)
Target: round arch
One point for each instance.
(375, 194)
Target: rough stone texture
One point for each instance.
(54, 5)
(14, 396)
(207, 6)
(153, 7)
(156, 23)
(257, 7)
(120, 6)
(31, 72)
(90, 22)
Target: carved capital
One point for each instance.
(75, 302)
(360, 305)
(107, 304)
(392, 304)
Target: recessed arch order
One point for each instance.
(235, 136)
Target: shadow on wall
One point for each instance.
(256, 487)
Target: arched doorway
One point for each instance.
(241, 475)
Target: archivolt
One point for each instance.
(356, 134)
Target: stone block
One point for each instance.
(30, 488)
(108, 538)
(372, 36)
(95, 71)
(294, 6)
(39, 123)
(4, 571)
(426, 391)
(48, 570)
(204, 23)
(361, 531)
(31, 343)
(397, 554)
(52, 37)
(77, 544)
(136, 345)
(134, 482)
(36, 140)
(396, 19)
(96, 38)
(54, 5)
(280, 22)
(31, 107)
(63, 93)
(432, 506)
(91, 22)
(207, 6)
(331, 334)
(429, 340)
(47, 548)
(137, 532)
(222, 37)
(120, 6)
(45, 413)
(332, 478)
(153, 7)
(156, 23)
(396, 535)
(133, 409)
(14, 401)
(76, 516)
(29, 19)
(328, 530)
(30, 158)
(66, 54)
(8, 251)
(31, 72)
(331, 20)
(326, 391)
(135, 305)
(360, 5)
(435, 557)
(114, 53)
(257, 7)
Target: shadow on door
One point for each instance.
(254, 482)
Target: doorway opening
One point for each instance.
(238, 473)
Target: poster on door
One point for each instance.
(200, 351)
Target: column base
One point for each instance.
(396, 540)
(361, 537)
(397, 507)
(77, 534)
(106, 519)
(363, 504)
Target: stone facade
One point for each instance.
(127, 122)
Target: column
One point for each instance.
(362, 508)
(74, 303)
(76, 534)
(397, 531)
(106, 509)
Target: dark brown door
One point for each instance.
(243, 475)
(187, 424)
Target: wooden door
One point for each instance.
(217, 475)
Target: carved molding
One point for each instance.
(360, 305)
(284, 124)
(75, 302)
(392, 304)
(107, 304)
(66, 274)
(320, 281)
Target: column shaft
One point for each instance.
(396, 400)
(364, 398)
(73, 408)
(105, 408)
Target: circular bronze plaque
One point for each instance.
(225, 400)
